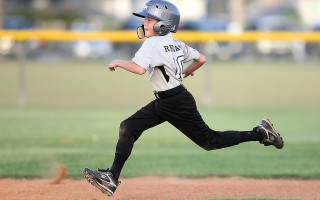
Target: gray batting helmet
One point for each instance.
(164, 11)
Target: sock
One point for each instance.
(246, 136)
(117, 166)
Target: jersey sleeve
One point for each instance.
(143, 56)
(189, 52)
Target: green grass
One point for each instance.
(35, 139)
(74, 109)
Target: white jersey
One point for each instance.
(163, 58)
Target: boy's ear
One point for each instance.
(140, 32)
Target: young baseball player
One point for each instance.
(163, 58)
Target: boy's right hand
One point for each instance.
(113, 65)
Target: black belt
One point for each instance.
(169, 93)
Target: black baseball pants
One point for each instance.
(178, 107)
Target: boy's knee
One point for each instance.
(128, 132)
(123, 128)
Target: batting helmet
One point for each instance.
(165, 12)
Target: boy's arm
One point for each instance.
(196, 64)
(127, 65)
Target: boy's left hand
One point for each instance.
(186, 75)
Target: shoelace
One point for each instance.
(106, 171)
(103, 170)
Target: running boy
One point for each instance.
(162, 57)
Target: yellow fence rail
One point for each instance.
(130, 36)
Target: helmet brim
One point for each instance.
(140, 14)
(144, 14)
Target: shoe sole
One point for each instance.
(93, 182)
(275, 133)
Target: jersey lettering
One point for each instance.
(172, 48)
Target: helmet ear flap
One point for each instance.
(140, 32)
(161, 28)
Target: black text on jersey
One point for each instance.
(172, 48)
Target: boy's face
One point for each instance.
(148, 26)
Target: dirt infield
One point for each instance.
(162, 188)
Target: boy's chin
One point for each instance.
(147, 35)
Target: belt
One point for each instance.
(169, 93)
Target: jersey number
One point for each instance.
(179, 71)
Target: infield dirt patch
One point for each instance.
(162, 188)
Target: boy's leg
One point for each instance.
(210, 139)
(130, 130)
(181, 111)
